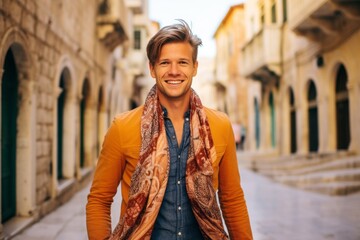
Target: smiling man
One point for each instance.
(172, 156)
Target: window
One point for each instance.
(273, 12)
(285, 10)
(104, 7)
(137, 39)
(262, 14)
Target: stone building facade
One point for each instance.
(305, 56)
(229, 36)
(66, 68)
(232, 87)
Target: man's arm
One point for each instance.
(107, 176)
(231, 195)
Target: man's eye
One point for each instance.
(183, 62)
(164, 63)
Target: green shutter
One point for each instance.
(272, 120)
(257, 123)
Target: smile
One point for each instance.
(173, 81)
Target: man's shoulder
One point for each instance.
(129, 117)
(216, 115)
(220, 125)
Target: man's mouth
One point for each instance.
(173, 81)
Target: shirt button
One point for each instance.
(179, 233)
(173, 136)
(179, 156)
(179, 208)
(178, 182)
(186, 119)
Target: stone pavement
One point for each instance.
(277, 212)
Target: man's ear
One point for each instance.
(196, 64)
(152, 71)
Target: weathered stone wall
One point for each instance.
(46, 37)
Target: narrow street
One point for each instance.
(280, 212)
(277, 212)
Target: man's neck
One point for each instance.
(176, 109)
(176, 112)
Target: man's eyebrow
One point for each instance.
(162, 59)
(180, 59)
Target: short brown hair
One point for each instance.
(179, 32)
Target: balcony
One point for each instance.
(262, 55)
(327, 22)
(137, 62)
(111, 24)
(137, 6)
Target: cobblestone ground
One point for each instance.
(280, 212)
(277, 212)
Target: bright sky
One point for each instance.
(203, 16)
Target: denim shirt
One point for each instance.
(176, 219)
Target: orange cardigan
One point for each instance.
(118, 159)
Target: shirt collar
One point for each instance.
(165, 112)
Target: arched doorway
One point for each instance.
(133, 104)
(18, 140)
(9, 112)
(65, 131)
(109, 108)
(293, 145)
(60, 126)
(313, 118)
(257, 123)
(100, 109)
(342, 109)
(272, 120)
(64, 169)
(84, 104)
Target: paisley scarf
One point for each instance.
(149, 180)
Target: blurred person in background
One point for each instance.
(172, 156)
(237, 130)
(242, 137)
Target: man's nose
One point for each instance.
(174, 69)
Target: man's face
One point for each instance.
(174, 71)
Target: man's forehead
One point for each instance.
(177, 48)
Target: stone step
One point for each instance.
(333, 173)
(347, 163)
(298, 160)
(343, 175)
(287, 164)
(335, 188)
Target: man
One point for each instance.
(171, 156)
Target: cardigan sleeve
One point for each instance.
(231, 195)
(108, 173)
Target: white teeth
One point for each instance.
(174, 82)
